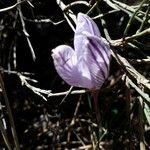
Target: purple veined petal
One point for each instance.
(86, 78)
(100, 68)
(64, 61)
(87, 66)
(62, 54)
(101, 50)
(85, 23)
(66, 66)
(97, 58)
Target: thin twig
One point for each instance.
(43, 21)
(120, 42)
(36, 90)
(69, 91)
(143, 94)
(68, 12)
(64, 93)
(79, 138)
(73, 119)
(112, 5)
(13, 129)
(123, 7)
(105, 14)
(139, 61)
(131, 19)
(76, 3)
(26, 33)
(92, 8)
(4, 134)
(13, 6)
(145, 19)
(131, 70)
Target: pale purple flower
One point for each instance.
(86, 65)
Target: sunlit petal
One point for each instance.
(84, 24)
(66, 65)
(88, 65)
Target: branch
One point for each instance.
(25, 32)
(13, 6)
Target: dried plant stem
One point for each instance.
(111, 4)
(4, 134)
(69, 12)
(96, 106)
(126, 9)
(145, 19)
(13, 129)
(137, 89)
(131, 19)
(67, 94)
(73, 119)
(140, 61)
(105, 14)
(79, 138)
(131, 70)
(104, 26)
(76, 3)
(38, 91)
(141, 128)
(93, 138)
(120, 42)
(143, 95)
(64, 93)
(13, 6)
(91, 9)
(25, 32)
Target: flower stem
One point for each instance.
(95, 97)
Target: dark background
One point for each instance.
(43, 124)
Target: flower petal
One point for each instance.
(101, 49)
(88, 65)
(86, 24)
(66, 66)
(64, 61)
(96, 55)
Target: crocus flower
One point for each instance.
(86, 65)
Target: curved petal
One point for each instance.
(64, 61)
(85, 75)
(88, 65)
(101, 49)
(96, 55)
(84, 25)
(66, 66)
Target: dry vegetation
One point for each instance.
(39, 111)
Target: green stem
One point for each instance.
(145, 18)
(138, 35)
(104, 26)
(125, 8)
(129, 38)
(131, 19)
(95, 97)
(13, 129)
